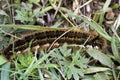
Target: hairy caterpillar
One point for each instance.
(49, 36)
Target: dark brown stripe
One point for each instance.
(43, 37)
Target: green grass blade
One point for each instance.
(5, 73)
(115, 50)
(2, 60)
(28, 27)
(95, 69)
(106, 5)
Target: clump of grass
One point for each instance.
(61, 63)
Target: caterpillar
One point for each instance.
(49, 36)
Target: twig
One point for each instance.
(115, 26)
(85, 4)
(59, 38)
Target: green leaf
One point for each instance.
(4, 41)
(65, 52)
(95, 69)
(2, 60)
(100, 76)
(57, 24)
(25, 59)
(49, 65)
(36, 12)
(88, 78)
(101, 57)
(3, 13)
(5, 71)
(115, 50)
(69, 74)
(75, 74)
(23, 16)
(46, 9)
(115, 6)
